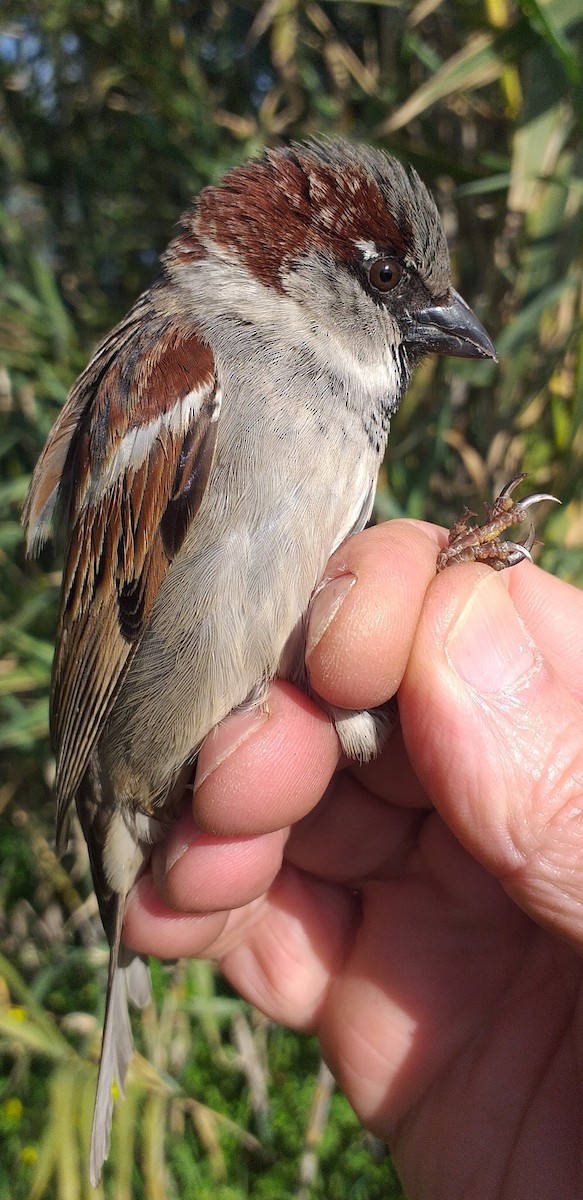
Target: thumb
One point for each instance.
(496, 739)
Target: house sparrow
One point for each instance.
(224, 439)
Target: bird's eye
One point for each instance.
(384, 274)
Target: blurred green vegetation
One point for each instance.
(113, 114)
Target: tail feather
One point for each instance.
(137, 978)
(128, 978)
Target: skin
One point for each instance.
(423, 915)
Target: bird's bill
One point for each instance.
(450, 328)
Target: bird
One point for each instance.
(223, 441)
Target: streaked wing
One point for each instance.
(134, 473)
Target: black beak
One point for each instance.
(450, 328)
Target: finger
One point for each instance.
(280, 951)
(197, 872)
(261, 772)
(362, 621)
(284, 755)
(293, 946)
(497, 740)
(353, 835)
(552, 611)
(151, 927)
(391, 775)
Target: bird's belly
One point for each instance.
(244, 595)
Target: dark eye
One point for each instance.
(385, 273)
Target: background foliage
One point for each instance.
(114, 112)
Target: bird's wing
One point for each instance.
(126, 467)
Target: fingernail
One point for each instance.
(181, 841)
(226, 737)
(489, 646)
(325, 605)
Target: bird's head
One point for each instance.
(351, 235)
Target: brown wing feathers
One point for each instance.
(138, 448)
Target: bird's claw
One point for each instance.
(483, 543)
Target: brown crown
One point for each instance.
(325, 195)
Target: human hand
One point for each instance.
(424, 916)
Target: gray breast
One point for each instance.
(280, 498)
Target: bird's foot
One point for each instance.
(484, 543)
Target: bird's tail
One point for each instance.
(128, 979)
